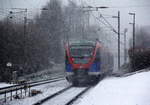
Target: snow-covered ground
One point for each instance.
(65, 97)
(132, 90)
(2, 84)
(46, 89)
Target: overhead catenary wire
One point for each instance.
(127, 6)
(131, 6)
(110, 26)
(106, 23)
(100, 21)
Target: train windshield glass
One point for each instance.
(81, 51)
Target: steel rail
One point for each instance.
(18, 87)
(52, 96)
(29, 83)
(77, 96)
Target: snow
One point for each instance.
(2, 84)
(132, 90)
(65, 97)
(47, 89)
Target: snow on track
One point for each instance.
(2, 85)
(132, 90)
(33, 84)
(65, 97)
(47, 89)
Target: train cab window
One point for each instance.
(81, 51)
(81, 54)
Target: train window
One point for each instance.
(84, 51)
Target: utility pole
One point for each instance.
(133, 14)
(25, 23)
(24, 33)
(118, 40)
(118, 17)
(125, 51)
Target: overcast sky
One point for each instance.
(140, 7)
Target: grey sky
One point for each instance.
(142, 13)
(140, 7)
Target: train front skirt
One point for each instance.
(83, 76)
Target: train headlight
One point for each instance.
(80, 67)
(73, 59)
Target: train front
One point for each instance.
(81, 66)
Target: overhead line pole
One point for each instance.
(118, 17)
(118, 40)
(24, 33)
(25, 22)
(133, 14)
(125, 51)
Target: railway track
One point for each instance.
(77, 96)
(13, 89)
(32, 83)
(52, 96)
(59, 93)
